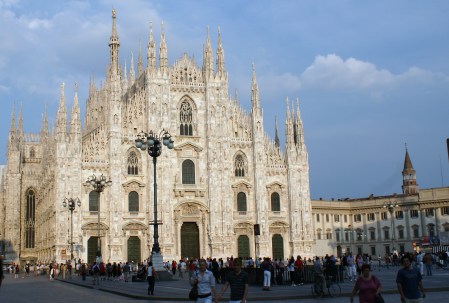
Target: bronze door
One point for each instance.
(92, 248)
(277, 244)
(190, 240)
(243, 246)
(134, 250)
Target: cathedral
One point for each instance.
(225, 189)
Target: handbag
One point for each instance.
(379, 299)
(193, 294)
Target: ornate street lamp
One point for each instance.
(153, 143)
(391, 206)
(98, 184)
(71, 204)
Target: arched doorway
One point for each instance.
(190, 240)
(92, 248)
(243, 246)
(134, 249)
(277, 244)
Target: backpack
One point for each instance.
(96, 269)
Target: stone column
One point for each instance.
(422, 215)
(407, 224)
(437, 221)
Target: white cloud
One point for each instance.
(333, 72)
(39, 23)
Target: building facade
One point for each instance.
(415, 220)
(224, 175)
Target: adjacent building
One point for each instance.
(415, 220)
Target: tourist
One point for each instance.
(351, 267)
(367, 285)
(428, 260)
(205, 281)
(238, 282)
(291, 271)
(409, 282)
(126, 271)
(319, 275)
(267, 268)
(151, 278)
(299, 270)
(96, 274)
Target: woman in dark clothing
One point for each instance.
(114, 271)
(83, 271)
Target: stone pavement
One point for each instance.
(178, 289)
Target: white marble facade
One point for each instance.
(225, 173)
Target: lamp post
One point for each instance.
(98, 184)
(71, 204)
(152, 142)
(391, 206)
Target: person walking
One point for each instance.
(96, 273)
(320, 281)
(409, 282)
(17, 271)
(83, 271)
(367, 285)
(205, 281)
(428, 260)
(267, 268)
(351, 267)
(237, 280)
(126, 271)
(151, 278)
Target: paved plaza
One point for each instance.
(40, 289)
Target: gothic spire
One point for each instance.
(132, 74)
(276, 136)
(255, 91)
(163, 61)
(75, 119)
(12, 129)
(12, 132)
(20, 123)
(151, 50)
(408, 166)
(139, 61)
(299, 126)
(289, 125)
(113, 49)
(220, 58)
(208, 64)
(61, 116)
(44, 127)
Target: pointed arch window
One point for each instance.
(241, 201)
(188, 172)
(32, 153)
(275, 202)
(133, 164)
(239, 166)
(185, 119)
(94, 201)
(133, 201)
(30, 217)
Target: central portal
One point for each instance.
(190, 240)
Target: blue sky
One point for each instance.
(370, 75)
